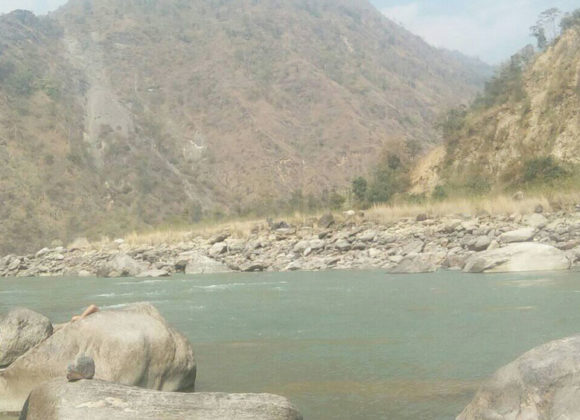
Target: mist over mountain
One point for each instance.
(122, 115)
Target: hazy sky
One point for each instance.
(489, 29)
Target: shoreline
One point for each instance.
(409, 245)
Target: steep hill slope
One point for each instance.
(525, 129)
(146, 111)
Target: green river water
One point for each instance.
(341, 345)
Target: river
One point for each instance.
(341, 345)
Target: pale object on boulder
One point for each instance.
(97, 400)
(542, 384)
(130, 346)
(527, 256)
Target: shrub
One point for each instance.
(543, 169)
(439, 193)
(359, 188)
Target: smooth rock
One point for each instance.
(130, 346)
(220, 237)
(527, 256)
(153, 274)
(419, 263)
(82, 368)
(542, 384)
(200, 264)
(342, 245)
(20, 330)
(536, 220)
(218, 249)
(125, 266)
(253, 267)
(98, 400)
(481, 244)
(326, 221)
(520, 235)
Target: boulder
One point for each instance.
(220, 237)
(342, 245)
(218, 249)
(153, 274)
(418, 263)
(536, 220)
(130, 346)
(326, 221)
(200, 264)
(98, 400)
(20, 330)
(541, 384)
(520, 235)
(253, 267)
(527, 256)
(481, 243)
(122, 265)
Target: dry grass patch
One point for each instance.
(494, 205)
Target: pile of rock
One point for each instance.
(420, 244)
(122, 349)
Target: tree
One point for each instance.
(545, 30)
(570, 20)
(359, 188)
(539, 33)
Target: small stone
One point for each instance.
(481, 244)
(220, 237)
(326, 221)
(421, 217)
(539, 209)
(253, 267)
(217, 249)
(82, 368)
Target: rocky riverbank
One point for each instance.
(478, 243)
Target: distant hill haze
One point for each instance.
(122, 115)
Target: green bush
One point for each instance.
(543, 169)
(439, 193)
(478, 185)
(359, 188)
(571, 20)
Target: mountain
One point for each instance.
(122, 115)
(522, 132)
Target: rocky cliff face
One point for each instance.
(536, 117)
(120, 115)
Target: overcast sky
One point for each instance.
(490, 29)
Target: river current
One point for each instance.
(340, 345)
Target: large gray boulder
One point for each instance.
(131, 346)
(419, 263)
(123, 265)
(527, 256)
(20, 330)
(97, 400)
(542, 384)
(520, 235)
(195, 263)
